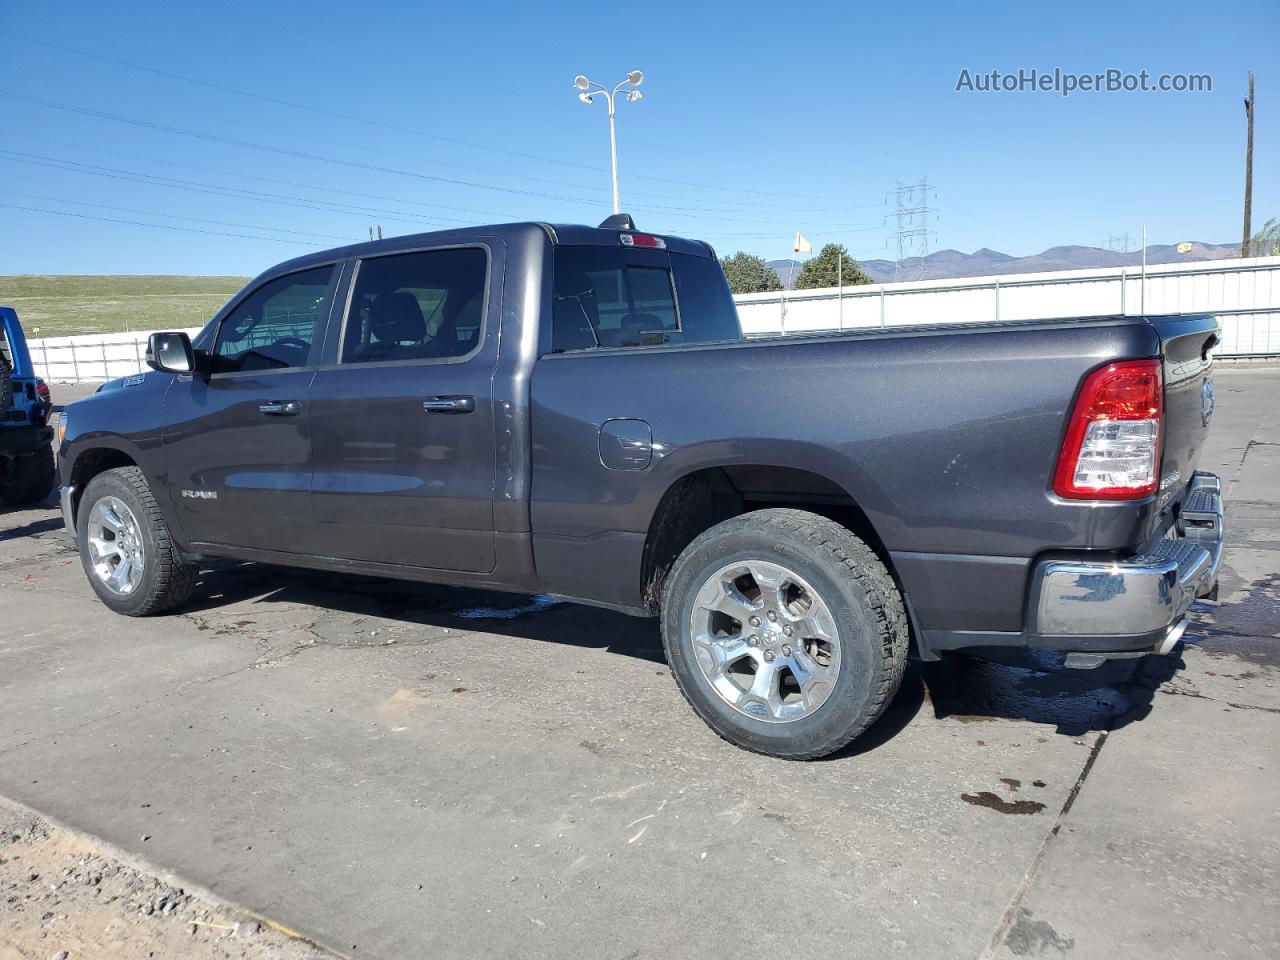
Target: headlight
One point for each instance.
(62, 427)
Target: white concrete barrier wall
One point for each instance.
(1243, 294)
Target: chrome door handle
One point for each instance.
(449, 404)
(280, 408)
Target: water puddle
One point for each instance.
(540, 603)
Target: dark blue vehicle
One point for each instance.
(573, 411)
(26, 439)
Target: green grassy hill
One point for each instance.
(52, 306)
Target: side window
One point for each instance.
(274, 327)
(416, 306)
(707, 310)
(604, 297)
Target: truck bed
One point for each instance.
(945, 437)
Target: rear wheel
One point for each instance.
(125, 546)
(28, 478)
(784, 632)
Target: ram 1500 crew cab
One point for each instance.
(573, 411)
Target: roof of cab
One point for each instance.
(563, 234)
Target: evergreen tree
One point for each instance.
(1266, 242)
(825, 270)
(748, 273)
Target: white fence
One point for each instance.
(1243, 294)
(92, 356)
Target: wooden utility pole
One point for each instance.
(1248, 173)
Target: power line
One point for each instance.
(642, 208)
(173, 216)
(283, 151)
(195, 186)
(253, 176)
(388, 126)
(139, 223)
(732, 205)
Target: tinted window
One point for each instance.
(416, 306)
(604, 297)
(614, 297)
(707, 311)
(275, 326)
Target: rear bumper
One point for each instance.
(15, 441)
(1137, 604)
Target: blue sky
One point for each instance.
(758, 119)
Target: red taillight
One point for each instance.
(42, 391)
(1112, 447)
(641, 240)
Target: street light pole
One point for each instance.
(588, 90)
(613, 156)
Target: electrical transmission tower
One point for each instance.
(1118, 242)
(912, 236)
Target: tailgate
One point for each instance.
(1186, 346)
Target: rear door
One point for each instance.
(402, 415)
(236, 438)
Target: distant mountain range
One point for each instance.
(945, 264)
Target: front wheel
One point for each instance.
(784, 632)
(125, 546)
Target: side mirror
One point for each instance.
(170, 353)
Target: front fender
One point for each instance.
(115, 427)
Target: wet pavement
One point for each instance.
(400, 770)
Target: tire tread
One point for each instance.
(174, 578)
(857, 562)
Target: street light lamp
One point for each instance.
(588, 90)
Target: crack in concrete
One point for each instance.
(1197, 695)
(1012, 912)
(1253, 442)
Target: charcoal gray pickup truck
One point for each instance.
(573, 411)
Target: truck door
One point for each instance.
(236, 440)
(402, 416)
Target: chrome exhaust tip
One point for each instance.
(1176, 630)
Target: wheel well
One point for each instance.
(93, 462)
(700, 500)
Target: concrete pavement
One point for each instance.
(407, 771)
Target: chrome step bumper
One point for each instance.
(1136, 603)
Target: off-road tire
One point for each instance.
(167, 580)
(6, 385)
(28, 478)
(861, 594)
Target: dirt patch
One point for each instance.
(59, 898)
(1030, 937)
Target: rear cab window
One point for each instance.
(611, 297)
